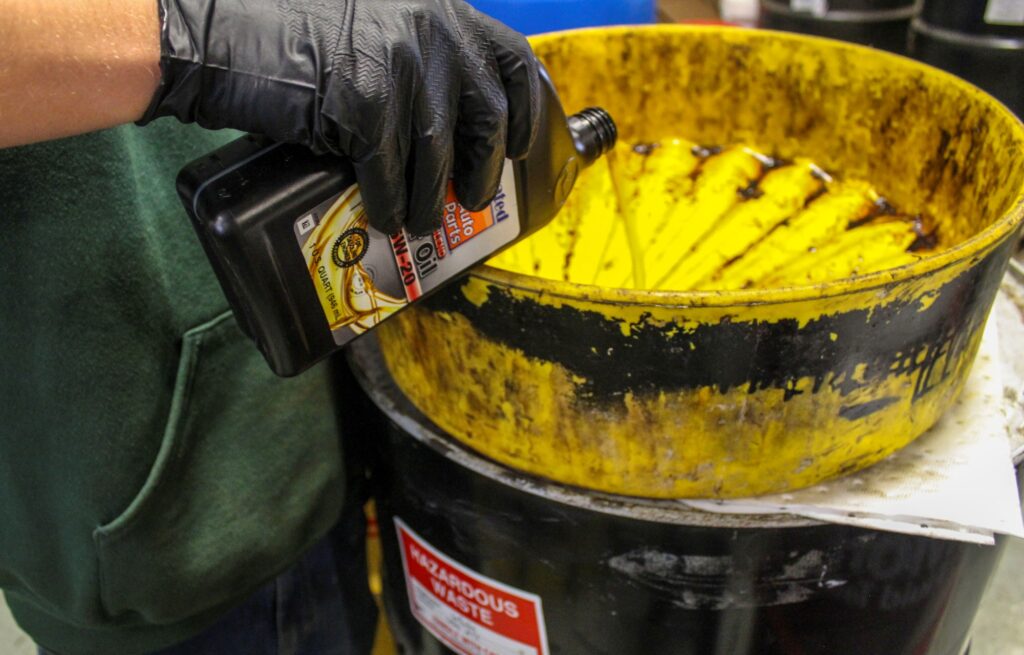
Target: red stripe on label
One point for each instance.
(406, 269)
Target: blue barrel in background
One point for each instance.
(536, 16)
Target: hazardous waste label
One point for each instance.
(472, 614)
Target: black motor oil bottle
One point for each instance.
(287, 236)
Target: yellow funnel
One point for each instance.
(734, 393)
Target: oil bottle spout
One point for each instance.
(593, 133)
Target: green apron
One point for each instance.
(153, 471)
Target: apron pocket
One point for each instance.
(248, 475)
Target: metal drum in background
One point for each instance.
(987, 17)
(981, 41)
(617, 576)
(879, 23)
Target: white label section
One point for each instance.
(467, 237)
(1005, 12)
(471, 613)
(816, 7)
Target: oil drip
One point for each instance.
(678, 216)
(636, 252)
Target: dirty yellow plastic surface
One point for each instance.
(560, 367)
(692, 219)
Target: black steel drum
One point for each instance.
(988, 17)
(620, 576)
(981, 41)
(879, 23)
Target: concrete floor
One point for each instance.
(999, 629)
(12, 640)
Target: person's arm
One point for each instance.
(73, 66)
(414, 92)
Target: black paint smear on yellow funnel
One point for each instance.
(896, 339)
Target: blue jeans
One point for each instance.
(321, 606)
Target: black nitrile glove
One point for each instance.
(411, 90)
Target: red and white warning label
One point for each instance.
(472, 614)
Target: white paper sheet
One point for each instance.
(955, 482)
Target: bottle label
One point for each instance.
(363, 276)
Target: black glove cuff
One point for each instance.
(179, 68)
(215, 95)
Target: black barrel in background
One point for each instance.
(981, 41)
(879, 23)
(627, 577)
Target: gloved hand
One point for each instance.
(411, 90)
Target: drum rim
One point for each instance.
(845, 15)
(969, 39)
